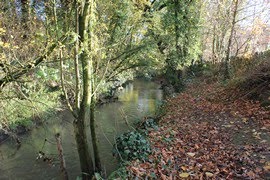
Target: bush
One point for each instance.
(149, 124)
(18, 110)
(132, 145)
(251, 77)
(145, 126)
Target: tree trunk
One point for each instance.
(82, 145)
(176, 26)
(24, 11)
(25, 16)
(92, 87)
(94, 136)
(61, 156)
(226, 63)
(213, 46)
(83, 114)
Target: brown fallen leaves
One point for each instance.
(196, 140)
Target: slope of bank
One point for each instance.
(206, 134)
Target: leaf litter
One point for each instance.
(211, 137)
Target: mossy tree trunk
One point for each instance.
(82, 144)
(94, 136)
(84, 109)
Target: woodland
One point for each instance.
(211, 58)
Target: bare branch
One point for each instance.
(15, 75)
(63, 86)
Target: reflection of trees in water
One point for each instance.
(136, 101)
(1, 156)
(142, 105)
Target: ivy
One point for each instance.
(132, 145)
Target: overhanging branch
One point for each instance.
(15, 75)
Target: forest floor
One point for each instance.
(209, 132)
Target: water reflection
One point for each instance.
(137, 100)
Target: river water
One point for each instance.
(136, 100)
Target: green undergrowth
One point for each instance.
(132, 146)
(128, 147)
(27, 108)
(120, 173)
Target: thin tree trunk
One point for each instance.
(24, 10)
(25, 16)
(213, 46)
(76, 60)
(226, 70)
(92, 87)
(61, 156)
(176, 9)
(94, 136)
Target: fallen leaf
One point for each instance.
(208, 174)
(184, 175)
(163, 177)
(191, 154)
(267, 168)
(183, 168)
(245, 120)
(251, 174)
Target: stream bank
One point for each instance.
(15, 130)
(136, 100)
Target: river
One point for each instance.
(136, 100)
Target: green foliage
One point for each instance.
(47, 73)
(149, 124)
(132, 145)
(175, 78)
(120, 173)
(160, 110)
(22, 110)
(23, 122)
(198, 69)
(181, 22)
(145, 126)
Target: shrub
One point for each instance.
(132, 145)
(145, 126)
(149, 124)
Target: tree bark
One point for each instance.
(176, 26)
(83, 114)
(24, 11)
(226, 63)
(94, 136)
(82, 145)
(25, 17)
(213, 46)
(61, 156)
